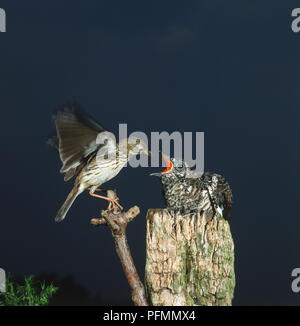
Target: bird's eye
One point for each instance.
(179, 168)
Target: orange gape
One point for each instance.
(169, 164)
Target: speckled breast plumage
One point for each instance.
(209, 193)
(182, 194)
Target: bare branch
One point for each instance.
(98, 221)
(117, 221)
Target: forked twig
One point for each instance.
(117, 221)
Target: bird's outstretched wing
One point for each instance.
(75, 138)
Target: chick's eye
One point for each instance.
(179, 168)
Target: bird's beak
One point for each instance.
(169, 167)
(159, 174)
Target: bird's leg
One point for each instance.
(115, 202)
(104, 190)
(101, 190)
(112, 202)
(113, 195)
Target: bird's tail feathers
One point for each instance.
(67, 204)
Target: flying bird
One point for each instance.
(186, 192)
(89, 151)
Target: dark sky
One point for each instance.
(228, 68)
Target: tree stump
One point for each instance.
(189, 260)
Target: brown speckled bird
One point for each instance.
(94, 162)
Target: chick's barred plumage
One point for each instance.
(186, 192)
(94, 162)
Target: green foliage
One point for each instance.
(31, 293)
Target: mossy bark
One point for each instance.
(189, 260)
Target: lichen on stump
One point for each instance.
(189, 260)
